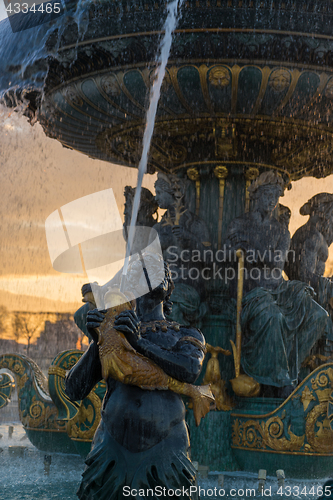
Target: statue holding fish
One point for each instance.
(148, 362)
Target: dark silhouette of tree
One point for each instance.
(3, 319)
(28, 326)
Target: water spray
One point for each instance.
(165, 46)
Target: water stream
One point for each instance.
(173, 9)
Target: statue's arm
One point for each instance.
(80, 319)
(237, 234)
(183, 361)
(307, 261)
(200, 235)
(280, 253)
(83, 377)
(192, 234)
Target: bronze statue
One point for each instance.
(182, 234)
(284, 214)
(280, 321)
(142, 441)
(147, 210)
(310, 245)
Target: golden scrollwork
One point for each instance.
(7, 384)
(56, 370)
(323, 379)
(162, 151)
(318, 431)
(274, 436)
(84, 424)
(300, 425)
(263, 435)
(38, 411)
(40, 415)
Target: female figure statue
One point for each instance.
(310, 245)
(280, 319)
(184, 237)
(142, 441)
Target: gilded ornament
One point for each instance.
(262, 435)
(214, 379)
(7, 384)
(221, 172)
(71, 95)
(219, 77)
(307, 397)
(280, 79)
(330, 409)
(110, 85)
(84, 424)
(56, 370)
(251, 174)
(323, 379)
(318, 431)
(193, 174)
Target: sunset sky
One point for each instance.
(38, 176)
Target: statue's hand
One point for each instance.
(94, 319)
(128, 323)
(181, 233)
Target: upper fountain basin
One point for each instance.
(247, 81)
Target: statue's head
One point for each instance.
(88, 296)
(148, 207)
(266, 190)
(169, 190)
(158, 272)
(320, 209)
(320, 204)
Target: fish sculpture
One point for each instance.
(122, 362)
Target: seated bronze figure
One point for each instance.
(280, 319)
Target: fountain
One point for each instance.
(247, 90)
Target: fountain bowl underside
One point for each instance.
(249, 85)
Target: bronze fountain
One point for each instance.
(248, 90)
